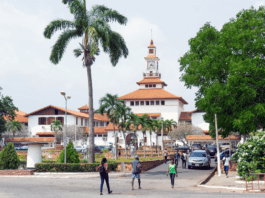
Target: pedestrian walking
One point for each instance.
(184, 159)
(136, 171)
(103, 171)
(165, 155)
(176, 157)
(119, 153)
(173, 172)
(226, 162)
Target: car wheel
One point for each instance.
(209, 166)
(189, 167)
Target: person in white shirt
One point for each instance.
(226, 162)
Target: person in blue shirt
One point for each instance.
(176, 156)
(136, 170)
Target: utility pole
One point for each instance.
(229, 147)
(217, 146)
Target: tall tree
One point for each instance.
(7, 111)
(14, 126)
(56, 126)
(111, 105)
(169, 125)
(122, 125)
(144, 123)
(157, 128)
(151, 127)
(93, 26)
(134, 123)
(227, 66)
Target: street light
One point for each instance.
(162, 147)
(65, 125)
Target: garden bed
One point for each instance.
(16, 172)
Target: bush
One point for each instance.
(250, 155)
(71, 155)
(22, 157)
(9, 158)
(74, 167)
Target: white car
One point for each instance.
(199, 158)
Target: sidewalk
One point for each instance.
(67, 175)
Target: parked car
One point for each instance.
(184, 147)
(199, 158)
(196, 147)
(97, 149)
(21, 148)
(212, 149)
(224, 146)
(222, 154)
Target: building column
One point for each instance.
(33, 155)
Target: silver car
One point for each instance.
(199, 158)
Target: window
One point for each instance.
(81, 121)
(107, 123)
(145, 139)
(76, 121)
(96, 124)
(152, 102)
(104, 135)
(154, 85)
(86, 122)
(151, 51)
(56, 111)
(61, 119)
(42, 121)
(146, 86)
(150, 85)
(98, 136)
(132, 103)
(137, 103)
(157, 102)
(146, 102)
(49, 120)
(101, 123)
(162, 102)
(142, 103)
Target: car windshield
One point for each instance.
(78, 147)
(195, 154)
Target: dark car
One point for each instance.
(212, 150)
(196, 147)
(222, 154)
(184, 147)
(97, 149)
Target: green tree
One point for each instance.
(9, 158)
(227, 67)
(14, 126)
(71, 154)
(110, 104)
(151, 128)
(144, 123)
(133, 123)
(93, 26)
(7, 111)
(157, 129)
(56, 126)
(169, 125)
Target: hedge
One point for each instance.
(71, 167)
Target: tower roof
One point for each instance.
(84, 107)
(151, 44)
(151, 81)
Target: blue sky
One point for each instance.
(27, 75)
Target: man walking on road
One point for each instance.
(176, 156)
(136, 170)
(184, 159)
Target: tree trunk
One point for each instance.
(91, 116)
(144, 149)
(125, 145)
(151, 145)
(115, 139)
(13, 135)
(156, 144)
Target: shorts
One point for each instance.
(226, 168)
(137, 176)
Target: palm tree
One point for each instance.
(169, 124)
(13, 126)
(94, 29)
(157, 128)
(134, 123)
(151, 126)
(109, 104)
(143, 121)
(124, 116)
(56, 126)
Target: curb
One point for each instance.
(223, 187)
(206, 179)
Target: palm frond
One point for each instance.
(77, 52)
(59, 47)
(57, 25)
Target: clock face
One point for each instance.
(151, 65)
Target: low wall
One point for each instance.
(147, 165)
(16, 172)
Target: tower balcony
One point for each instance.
(152, 75)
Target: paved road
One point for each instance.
(154, 182)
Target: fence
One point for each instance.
(252, 183)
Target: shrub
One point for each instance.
(9, 158)
(71, 155)
(74, 167)
(22, 157)
(250, 155)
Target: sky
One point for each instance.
(33, 82)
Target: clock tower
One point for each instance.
(152, 62)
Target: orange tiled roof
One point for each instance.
(84, 107)
(151, 44)
(97, 130)
(110, 127)
(20, 116)
(104, 117)
(151, 80)
(185, 116)
(153, 115)
(206, 131)
(45, 133)
(31, 139)
(151, 56)
(208, 137)
(196, 111)
(72, 112)
(143, 94)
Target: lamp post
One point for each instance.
(217, 146)
(162, 146)
(65, 123)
